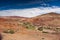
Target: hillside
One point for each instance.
(50, 19)
(42, 27)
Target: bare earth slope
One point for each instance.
(50, 19)
(42, 27)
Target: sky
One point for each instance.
(28, 8)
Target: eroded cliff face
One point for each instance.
(42, 27)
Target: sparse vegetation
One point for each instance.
(29, 25)
(43, 38)
(40, 28)
(47, 28)
(9, 31)
(44, 32)
(45, 24)
(57, 30)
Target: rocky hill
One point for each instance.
(50, 19)
(42, 27)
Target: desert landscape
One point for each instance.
(41, 27)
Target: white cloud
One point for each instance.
(29, 12)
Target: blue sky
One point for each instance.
(21, 4)
(30, 8)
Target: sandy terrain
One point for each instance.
(42, 27)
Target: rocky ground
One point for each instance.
(42, 27)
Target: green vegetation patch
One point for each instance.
(40, 28)
(29, 25)
(47, 28)
(57, 30)
(44, 32)
(9, 31)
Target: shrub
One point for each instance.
(44, 32)
(29, 25)
(43, 38)
(9, 31)
(57, 30)
(40, 28)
